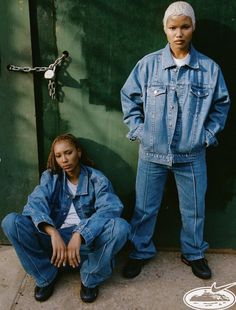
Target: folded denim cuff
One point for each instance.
(211, 139)
(136, 133)
(85, 233)
(41, 220)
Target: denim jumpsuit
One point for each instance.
(175, 114)
(101, 227)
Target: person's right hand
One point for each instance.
(59, 252)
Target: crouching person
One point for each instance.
(71, 218)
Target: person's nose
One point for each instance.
(64, 158)
(178, 33)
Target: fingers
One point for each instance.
(59, 252)
(59, 258)
(54, 255)
(77, 255)
(73, 250)
(73, 258)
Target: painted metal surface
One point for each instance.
(18, 143)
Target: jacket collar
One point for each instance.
(168, 61)
(82, 188)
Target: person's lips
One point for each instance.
(179, 41)
(66, 167)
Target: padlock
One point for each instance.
(49, 74)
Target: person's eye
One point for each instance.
(172, 28)
(57, 156)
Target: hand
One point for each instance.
(59, 254)
(73, 249)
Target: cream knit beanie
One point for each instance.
(179, 8)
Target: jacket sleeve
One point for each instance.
(217, 116)
(107, 206)
(37, 206)
(132, 100)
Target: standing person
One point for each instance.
(72, 217)
(174, 102)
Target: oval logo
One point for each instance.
(210, 297)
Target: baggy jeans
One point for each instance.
(34, 249)
(191, 182)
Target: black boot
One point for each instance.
(133, 267)
(88, 294)
(43, 293)
(200, 267)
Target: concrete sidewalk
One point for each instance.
(161, 285)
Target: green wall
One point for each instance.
(18, 139)
(105, 39)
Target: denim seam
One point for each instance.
(36, 268)
(103, 251)
(195, 204)
(145, 200)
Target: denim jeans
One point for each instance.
(34, 249)
(191, 182)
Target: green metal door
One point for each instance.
(18, 143)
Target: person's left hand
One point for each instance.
(73, 249)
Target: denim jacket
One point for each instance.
(174, 112)
(95, 202)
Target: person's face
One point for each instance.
(179, 32)
(67, 156)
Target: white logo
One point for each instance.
(210, 297)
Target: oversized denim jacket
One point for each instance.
(95, 202)
(174, 112)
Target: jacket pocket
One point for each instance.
(199, 92)
(198, 95)
(159, 90)
(156, 98)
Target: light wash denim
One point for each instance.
(101, 227)
(158, 96)
(191, 182)
(34, 249)
(95, 202)
(175, 113)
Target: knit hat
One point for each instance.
(179, 8)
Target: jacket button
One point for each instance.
(155, 92)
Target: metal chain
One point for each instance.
(52, 89)
(50, 68)
(26, 69)
(59, 60)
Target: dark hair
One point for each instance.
(52, 163)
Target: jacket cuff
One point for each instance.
(211, 139)
(136, 134)
(85, 233)
(38, 221)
